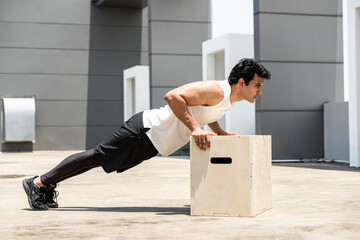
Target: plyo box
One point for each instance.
(232, 177)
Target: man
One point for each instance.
(163, 130)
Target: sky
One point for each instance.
(232, 16)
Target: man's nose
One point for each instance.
(259, 92)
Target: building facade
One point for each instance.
(301, 43)
(71, 55)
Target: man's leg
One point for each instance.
(69, 167)
(41, 190)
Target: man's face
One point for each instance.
(252, 91)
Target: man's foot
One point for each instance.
(35, 194)
(51, 196)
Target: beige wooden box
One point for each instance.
(232, 178)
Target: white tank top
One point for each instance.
(168, 133)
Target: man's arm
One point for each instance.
(218, 130)
(204, 93)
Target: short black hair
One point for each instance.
(246, 69)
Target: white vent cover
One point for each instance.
(18, 119)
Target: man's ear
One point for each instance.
(241, 82)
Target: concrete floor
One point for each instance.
(310, 201)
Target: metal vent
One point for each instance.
(18, 119)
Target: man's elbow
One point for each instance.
(168, 97)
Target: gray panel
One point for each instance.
(173, 71)
(258, 123)
(97, 134)
(157, 97)
(66, 62)
(70, 113)
(300, 38)
(302, 47)
(177, 30)
(327, 7)
(256, 8)
(295, 135)
(60, 138)
(336, 131)
(105, 113)
(116, 16)
(144, 39)
(61, 87)
(145, 17)
(46, 11)
(119, 38)
(184, 10)
(121, 4)
(178, 38)
(33, 35)
(16, 146)
(44, 35)
(64, 113)
(105, 88)
(112, 62)
(43, 61)
(301, 86)
(71, 137)
(74, 12)
(46, 54)
(257, 37)
(144, 59)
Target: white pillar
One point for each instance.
(351, 28)
(136, 90)
(219, 56)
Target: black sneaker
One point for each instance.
(51, 196)
(36, 195)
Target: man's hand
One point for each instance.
(228, 133)
(218, 130)
(202, 138)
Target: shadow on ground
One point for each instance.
(158, 210)
(320, 165)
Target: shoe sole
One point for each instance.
(28, 193)
(51, 206)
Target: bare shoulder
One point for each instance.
(208, 86)
(211, 91)
(205, 93)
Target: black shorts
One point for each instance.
(127, 147)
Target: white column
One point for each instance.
(219, 56)
(136, 90)
(351, 26)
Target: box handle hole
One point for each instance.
(221, 160)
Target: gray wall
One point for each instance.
(301, 44)
(336, 131)
(177, 29)
(71, 56)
